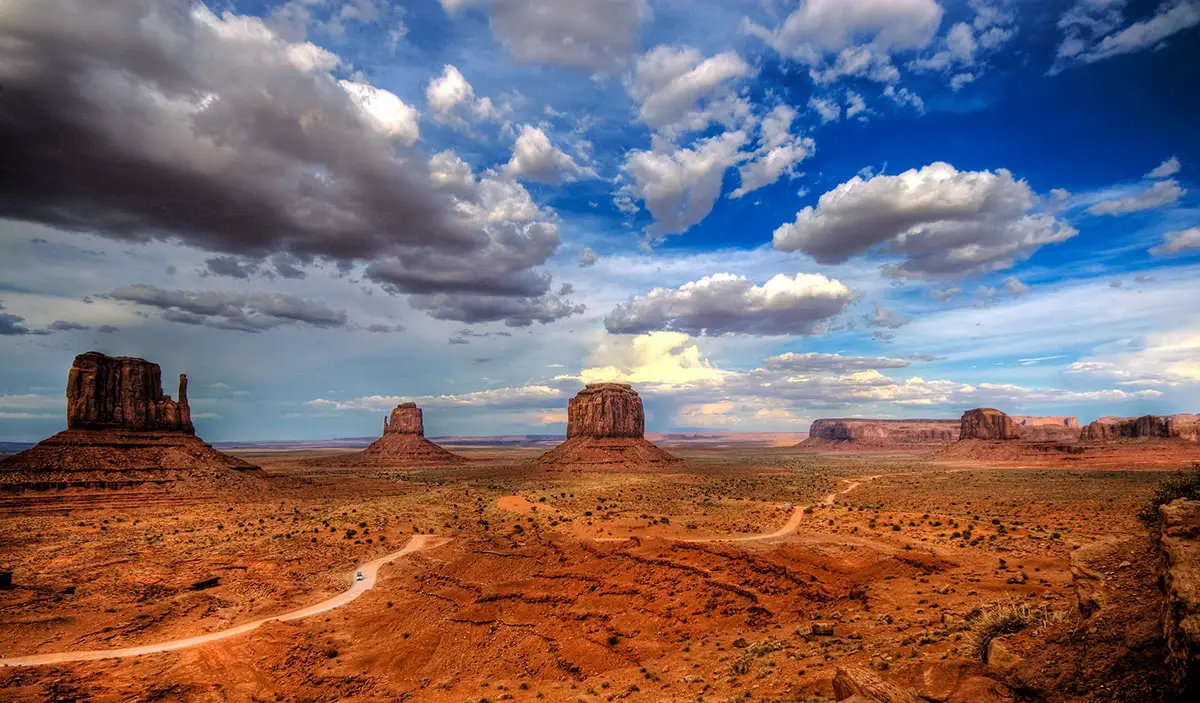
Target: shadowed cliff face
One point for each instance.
(606, 410)
(124, 393)
(406, 419)
(988, 423)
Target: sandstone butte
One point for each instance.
(122, 430)
(992, 424)
(402, 444)
(1107, 429)
(606, 426)
(880, 432)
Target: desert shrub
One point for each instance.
(1002, 619)
(1185, 484)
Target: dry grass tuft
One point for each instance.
(1002, 619)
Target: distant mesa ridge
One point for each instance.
(880, 432)
(606, 426)
(1106, 429)
(123, 430)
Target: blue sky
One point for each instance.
(759, 212)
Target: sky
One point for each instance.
(757, 212)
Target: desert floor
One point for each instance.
(700, 582)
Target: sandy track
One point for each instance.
(788, 527)
(370, 572)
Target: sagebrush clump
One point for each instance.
(1185, 484)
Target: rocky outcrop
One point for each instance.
(993, 425)
(881, 432)
(402, 445)
(1108, 429)
(123, 392)
(405, 419)
(606, 410)
(859, 684)
(606, 427)
(989, 424)
(123, 431)
(1179, 575)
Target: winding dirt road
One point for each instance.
(788, 527)
(370, 572)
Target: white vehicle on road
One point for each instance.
(358, 576)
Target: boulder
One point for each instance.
(1000, 653)
(606, 410)
(1179, 575)
(125, 393)
(881, 432)
(1088, 579)
(850, 681)
(989, 424)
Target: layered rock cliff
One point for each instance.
(882, 432)
(123, 392)
(988, 423)
(1107, 429)
(1179, 574)
(992, 424)
(406, 418)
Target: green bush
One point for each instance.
(1185, 484)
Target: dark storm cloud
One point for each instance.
(157, 120)
(66, 326)
(13, 326)
(287, 267)
(243, 312)
(515, 312)
(231, 266)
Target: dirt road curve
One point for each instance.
(370, 572)
(788, 527)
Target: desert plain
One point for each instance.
(745, 572)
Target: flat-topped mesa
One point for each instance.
(1107, 429)
(125, 393)
(988, 423)
(1046, 421)
(606, 410)
(406, 419)
(882, 432)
